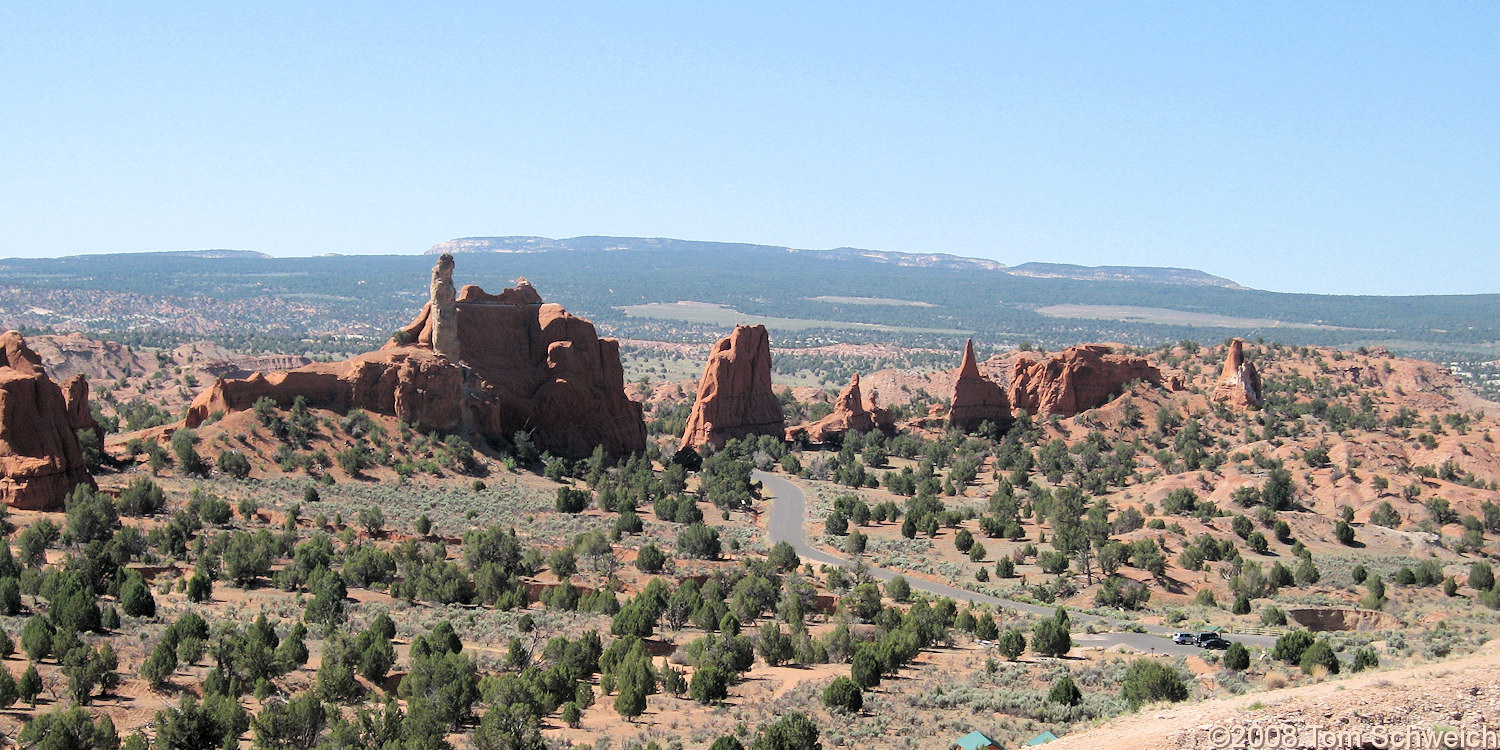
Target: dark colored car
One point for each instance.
(1212, 641)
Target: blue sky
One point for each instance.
(1343, 148)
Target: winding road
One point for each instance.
(788, 516)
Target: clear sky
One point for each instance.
(1345, 148)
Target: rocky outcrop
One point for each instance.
(411, 384)
(76, 398)
(851, 413)
(976, 398)
(1076, 380)
(1239, 383)
(734, 395)
(1318, 619)
(245, 366)
(40, 458)
(479, 364)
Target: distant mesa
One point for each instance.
(41, 460)
(1076, 380)
(735, 399)
(852, 412)
(976, 398)
(211, 254)
(1149, 274)
(472, 363)
(698, 250)
(1239, 384)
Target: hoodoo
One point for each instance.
(1239, 384)
(1076, 380)
(40, 458)
(976, 398)
(485, 365)
(734, 395)
(851, 413)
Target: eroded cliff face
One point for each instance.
(474, 363)
(734, 395)
(40, 458)
(1076, 380)
(1239, 383)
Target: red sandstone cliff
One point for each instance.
(513, 363)
(734, 395)
(40, 459)
(1076, 380)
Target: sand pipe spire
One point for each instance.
(444, 309)
(969, 368)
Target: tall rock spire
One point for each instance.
(851, 413)
(976, 398)
(969, 368)
(1239, 383)
(734, 396)
(445, 339)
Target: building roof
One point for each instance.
(975, 740)
(1041, 739)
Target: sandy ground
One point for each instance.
(1399, 706)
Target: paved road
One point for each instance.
(788, 513)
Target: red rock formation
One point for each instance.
(40, 459)
(851, 413)
(518, 365)
(76, 396)
(1239, 384)
(411, 384)
(976, 398)
(1076, 380)
(734, 396)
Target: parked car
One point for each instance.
(1213, 641)
(1185, 638)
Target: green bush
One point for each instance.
(1365, 658)
(1148, 680)
(1064, 692)
(865, 668)
(135, 597)
(898, 589)
(1291, 646)
(1319, 654)
(843, 695)
(1051, 637)
(234, 464)
(709, 685)
(570, 500)
(1344, 532)
(650, 559)
(1237, 657)
(1481, 576)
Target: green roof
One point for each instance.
(1041, 739)
(975, 741)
